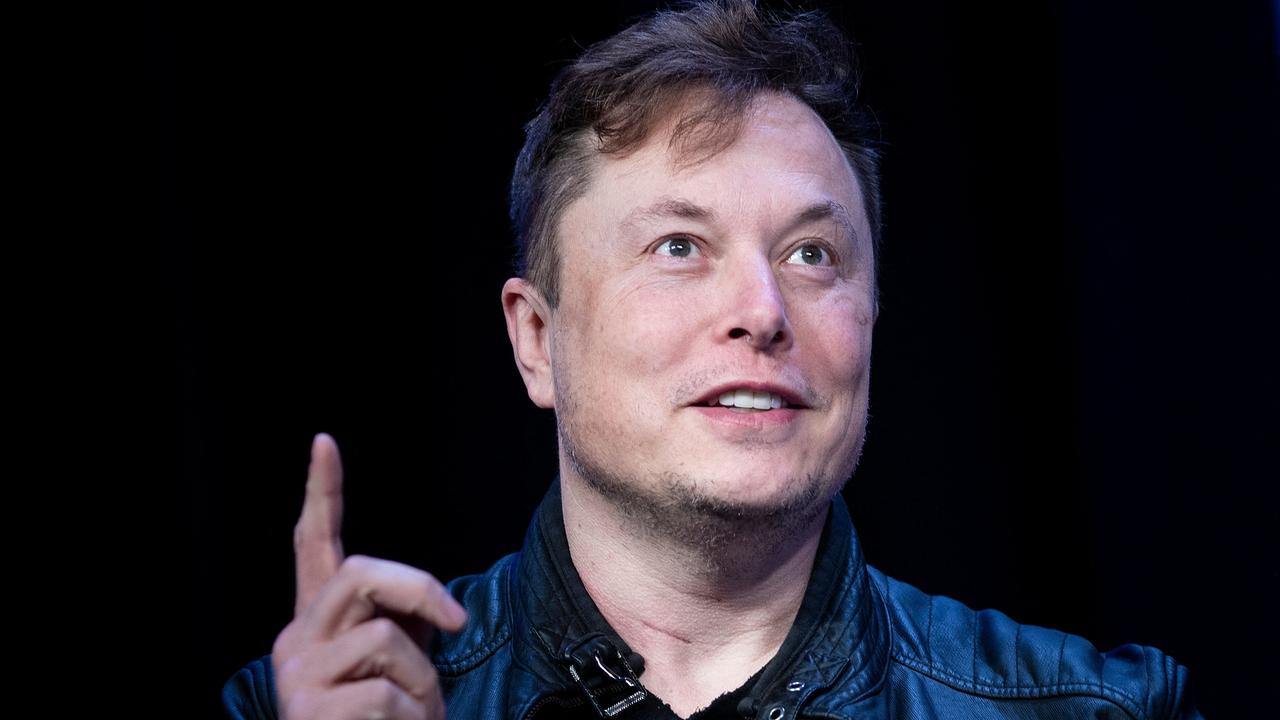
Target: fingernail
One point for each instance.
(315, 442)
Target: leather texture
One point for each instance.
(863, 646)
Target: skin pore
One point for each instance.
(696, 537)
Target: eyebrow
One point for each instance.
(668, 207)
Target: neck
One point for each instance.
(705, 610)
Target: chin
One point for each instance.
(753, 488)
(762, 492)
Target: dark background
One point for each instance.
(1074, 395)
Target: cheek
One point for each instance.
(842, 328)
(645, 328)
(839, 331)
(622, 359)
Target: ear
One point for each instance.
(528, 327)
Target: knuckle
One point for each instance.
(383, 630)
(431, 588)
(426, 590)
(385, 693)
(287, 642)
(357, 564)
(287, 669)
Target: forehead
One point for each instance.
(783, 164)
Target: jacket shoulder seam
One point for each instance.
(499, 574)
(474, 658)
(1105, 692)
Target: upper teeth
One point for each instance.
(752, 399)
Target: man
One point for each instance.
(697, 212)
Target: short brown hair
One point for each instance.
(616, 90)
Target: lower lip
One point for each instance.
(762, 420)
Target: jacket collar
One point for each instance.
(840, 638)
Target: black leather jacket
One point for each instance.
(863, 646)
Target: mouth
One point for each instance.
(743, 409)
(738, 423)
(751, 399)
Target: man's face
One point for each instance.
(754, 266)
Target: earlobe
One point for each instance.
(529, 329)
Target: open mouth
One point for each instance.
(736, 420)
(749, 401)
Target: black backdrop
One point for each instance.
(1074, 387)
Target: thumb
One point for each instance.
(317, 538)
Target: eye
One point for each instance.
(813, 255)
(680, 246)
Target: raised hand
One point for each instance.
(357, 644)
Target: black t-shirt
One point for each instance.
(652, 707)
(724, 707)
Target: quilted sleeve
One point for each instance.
(1180, 693)
(250, 694)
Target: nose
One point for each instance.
(755, 308)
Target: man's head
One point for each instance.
(608, 101)
(702, 229)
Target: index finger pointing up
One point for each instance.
(317, 538)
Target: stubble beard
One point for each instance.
(723, 536)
